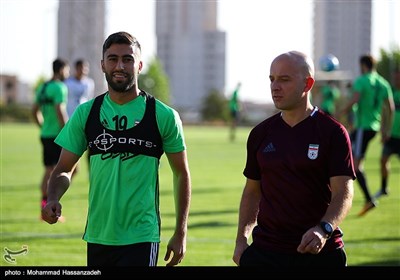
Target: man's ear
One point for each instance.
(309, 84)
(102, 66)
(140, 66)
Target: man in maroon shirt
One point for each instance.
(299, 178)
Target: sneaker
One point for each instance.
(380, 193)
(367, 207)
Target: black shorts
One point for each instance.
(254, 256)
(51, 151)
(235, 114)
(391, 146)
(140, 254)
(360, 139)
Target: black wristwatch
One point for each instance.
(327, 228)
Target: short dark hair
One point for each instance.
(121, 38)
(80, 62)
(58, 64)
(368, 61)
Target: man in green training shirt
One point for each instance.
(372, 94)
(126, 131)
(391, 145)
(330, 94)
(234, 109)
(49, 113)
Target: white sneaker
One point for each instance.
(380, 193)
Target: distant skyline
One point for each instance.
(256, 31)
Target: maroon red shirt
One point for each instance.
(294, 165)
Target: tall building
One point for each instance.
(81, 29)
(342, 28)
(192, 52)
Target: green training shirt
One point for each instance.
(330, 95)
(233, 102)
(373, 89)
(395, 132)
(123, 193)
(56, 92)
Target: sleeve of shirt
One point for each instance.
(38, 90)
(357, 86)
(251, 169)
(72, 137)
(171, 129)
(62, 93)
(341, 163)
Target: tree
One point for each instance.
(389, 61)
(215, 107)
(155, 81)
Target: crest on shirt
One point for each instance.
(313, 151)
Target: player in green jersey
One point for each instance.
(391, 145)
(372, 94)
(126, 131)
(234, 109)
(330, 95)
(49, 113)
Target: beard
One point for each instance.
(121, 86)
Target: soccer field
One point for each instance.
(216, 166)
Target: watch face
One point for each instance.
(328, 228)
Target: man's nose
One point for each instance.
(120, 64)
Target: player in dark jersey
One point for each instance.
(299, 178)
(126, 131)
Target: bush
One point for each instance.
(15, 113)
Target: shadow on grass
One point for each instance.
(203, 213)
(18, 188)
(207, 213)
(211, 224)
(389, 259)
(373, 240)
(208, 224)
(196, 191)
(25, 221)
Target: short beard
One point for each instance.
(120, 87)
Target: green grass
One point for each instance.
(216, 167)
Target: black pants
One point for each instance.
(253, 256)
(140, 254)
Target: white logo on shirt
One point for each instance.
(313, 151)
